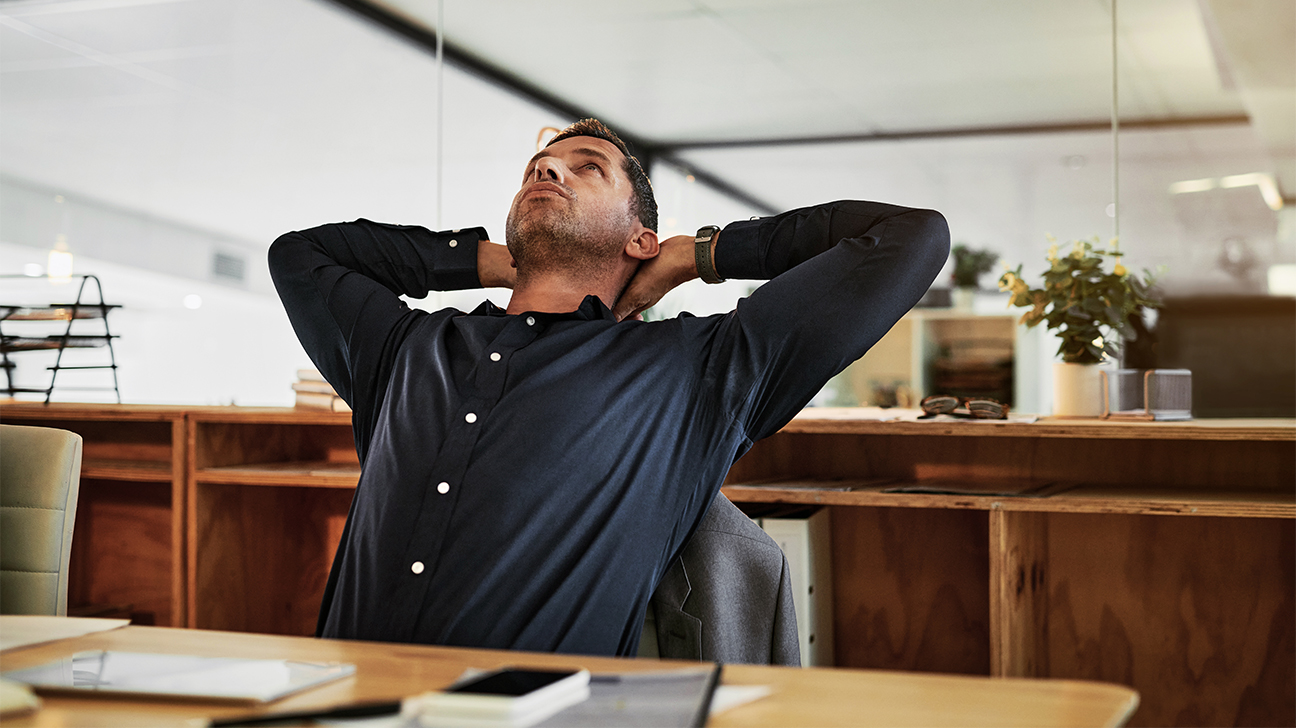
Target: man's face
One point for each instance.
(573, 210)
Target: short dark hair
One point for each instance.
(643, 205)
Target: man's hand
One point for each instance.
(495, 268)
(657, 276)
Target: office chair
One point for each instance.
(40, 474)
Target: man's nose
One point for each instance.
(548, 168)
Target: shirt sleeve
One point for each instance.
(840, 276)
(341, 286)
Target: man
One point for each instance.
(528, 474)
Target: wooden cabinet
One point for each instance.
(128, 546)
(1156, 555)
(1161, 558)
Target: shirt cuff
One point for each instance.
(738, 250)
(454, 258)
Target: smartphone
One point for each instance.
(511, 696)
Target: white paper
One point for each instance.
(24, 630)
(732, 696)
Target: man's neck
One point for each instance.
(558, 293)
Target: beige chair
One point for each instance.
(40, 473)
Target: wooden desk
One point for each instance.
(1167, 562)
(818, 697)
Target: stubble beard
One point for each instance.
(549, 236)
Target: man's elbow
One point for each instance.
(930, 239)
(282, 251)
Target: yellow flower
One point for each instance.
(1079, 250)
(1120, 270)
(1053, 253)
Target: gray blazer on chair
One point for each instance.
(40, 474)
(727, 598)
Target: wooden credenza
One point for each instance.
(1156, 555)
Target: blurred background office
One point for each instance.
(164, 144)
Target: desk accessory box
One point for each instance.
(1147, 394)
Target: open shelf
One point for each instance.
(314, 473)
(145, 471)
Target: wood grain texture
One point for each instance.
(810, 696)
(224, 443)
(89, 412)
(1194, 613)
(121, 548)
(263, 555)
(1205, 465)
(1050, 427)
(910, 590)
(179, 523)
(315, 474)
(1018, 594)
(1244, 503)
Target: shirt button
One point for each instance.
(495, 356)
(417, 567)
(454, 243)
(443, 488)
(470, 418)
(530, 320)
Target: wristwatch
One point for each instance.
(702, 253)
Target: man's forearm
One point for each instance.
(407, 260)
(766, 247)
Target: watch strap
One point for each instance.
(702, 254)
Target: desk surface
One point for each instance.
(820, 697)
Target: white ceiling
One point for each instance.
(674, 70)
(251, 117)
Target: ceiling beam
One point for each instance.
(1057, 128)
(425, 39)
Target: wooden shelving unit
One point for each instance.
(270, 491)
(1156, 555)
(128, 545)
(1164, 558)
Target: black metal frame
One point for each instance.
(64, 340)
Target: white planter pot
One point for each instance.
(1077, 390)
(963, 299)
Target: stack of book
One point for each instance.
(313, 392)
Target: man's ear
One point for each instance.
(643, 244)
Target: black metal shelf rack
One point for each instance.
(79, 310)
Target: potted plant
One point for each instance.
(969, 264)
(1088, 308)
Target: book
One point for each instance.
(316, 400)
(312, 386)
(310, 375)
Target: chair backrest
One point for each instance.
(40, 475)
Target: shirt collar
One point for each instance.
(590, 309)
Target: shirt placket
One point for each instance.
(423, 555)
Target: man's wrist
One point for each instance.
(704, 253)
(494, 265)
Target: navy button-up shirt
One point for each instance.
(526, 479)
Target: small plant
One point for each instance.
(969, 264)
(1084, 305)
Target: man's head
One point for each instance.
(585, 205)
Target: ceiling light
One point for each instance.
(1263, 180)
(193, 301)
(60, 261)
(1192, 185)
(34, 270)
(1282, 280)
